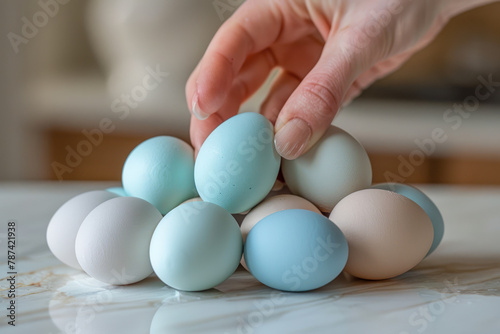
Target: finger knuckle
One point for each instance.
(325, 95)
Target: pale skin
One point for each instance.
(327, 51)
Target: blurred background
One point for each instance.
(82, 82)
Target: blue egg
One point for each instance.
(117, 191)
(196, 246)
(160, 171)
(238, 164)
(295, 250)
(424, 202)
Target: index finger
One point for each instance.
(252, 28)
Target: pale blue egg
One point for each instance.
(238, 163)
(336, 166)
(196, 246)
(295, 250)
(117, 191)
(424, 202)
(160, 171)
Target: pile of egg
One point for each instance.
(174, 216)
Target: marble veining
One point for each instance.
(456, 289)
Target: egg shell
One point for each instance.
(238, 164)
(196, 246)
(334, 167)
(388, 234)
(160, 171)
(425, 203)
(117, 190)
(112, 244)
(66, 221)
(271, 205)
(295, 250)
(194, 199)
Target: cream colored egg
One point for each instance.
(387, 233)
(195, 199)
(272, 205)
(278, 185)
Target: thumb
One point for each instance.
(310, 109)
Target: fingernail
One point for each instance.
(197, 112)
(292, 138)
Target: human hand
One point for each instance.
(328, 51)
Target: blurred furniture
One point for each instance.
(420, 142)
(93, 52)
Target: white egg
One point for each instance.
(269, 206)
(65, 223)
(112, 244)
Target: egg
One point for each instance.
(65, 223)
(117, 190)
(295, 250)
(271, 205)
(425, 203)
(160, 171)
(196, 246)
(388, 234)
(112, 244)
(194, 199)
(334, 167)
(237, 164)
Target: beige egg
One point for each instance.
(387, 233)
(194, 199)
(278, 185)
(272, 205)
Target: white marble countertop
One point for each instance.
(455, 290)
